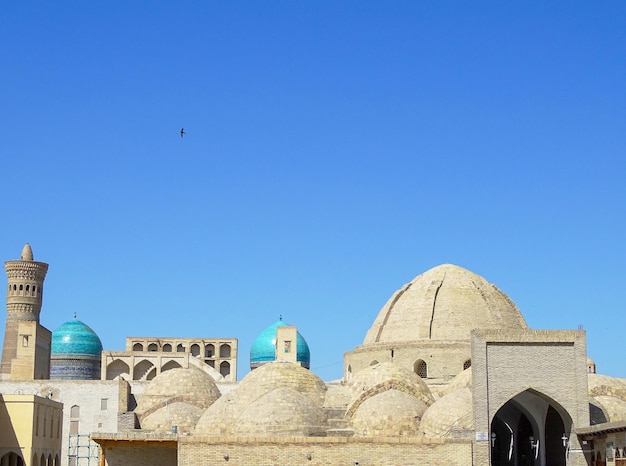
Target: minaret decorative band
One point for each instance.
(25, 289)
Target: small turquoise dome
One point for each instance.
(75, 338)
(264, 347)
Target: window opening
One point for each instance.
(421, 369)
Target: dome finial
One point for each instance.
(74, 315)
(280, 317)
(27, 253)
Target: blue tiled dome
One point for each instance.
(75, 338)
(264, 347)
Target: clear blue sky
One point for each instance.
(334, 151)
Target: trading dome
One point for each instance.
(425, 325)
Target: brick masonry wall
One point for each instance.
(444, 359)
(551, 363)
(292, 451)
(127, 422)
(141, 454)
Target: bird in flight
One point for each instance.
(182, 132)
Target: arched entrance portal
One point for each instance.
(530, 429)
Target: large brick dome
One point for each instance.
(425, 326)
(444, 303)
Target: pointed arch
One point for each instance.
(421, 368)
(152, 373)
(142, 369)
(225, 368)
(117, 369)
(528, 426)
(225, 351)
(597, 413)
(170, 365)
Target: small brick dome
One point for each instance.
(178, 414)
(282, 412)
(386, 376)
(287, 389)
(452, 416)
(191, 386)
(614, 408)
(392, 413)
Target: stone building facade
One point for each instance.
(30, 430)
(544, 406)
(147, 357)
(88, 407)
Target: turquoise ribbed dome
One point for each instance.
(264, 347)
(75, 337)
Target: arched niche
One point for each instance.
(117, 369)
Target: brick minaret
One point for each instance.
(26, 349)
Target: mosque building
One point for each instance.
(449, 373)
(264, 347)
(76, 352)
